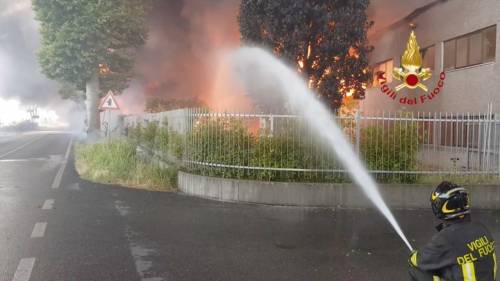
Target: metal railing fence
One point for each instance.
(396, 147)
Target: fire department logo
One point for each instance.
(411, 74)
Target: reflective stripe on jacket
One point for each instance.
(462, 251)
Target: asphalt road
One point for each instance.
(55, 226)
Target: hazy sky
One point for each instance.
(20, 75)
(21, 82)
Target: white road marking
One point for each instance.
(57, 180)
(68, 150)
(48, 204)
(20, 147)
(23, 271)
(39, 230)
(24, 160)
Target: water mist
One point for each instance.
(264, 77)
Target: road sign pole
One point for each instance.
(108, 131)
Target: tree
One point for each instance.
(325, 39)
(90, 44)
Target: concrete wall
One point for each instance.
(321, 195)
(177, 119)
(467, 89)
(457, 158)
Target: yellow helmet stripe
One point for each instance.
(445, 209)
(434, 196)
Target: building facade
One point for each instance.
(457, 37)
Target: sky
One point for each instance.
(21, 82)
(179, 61)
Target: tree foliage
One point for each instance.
(82, 37)
(325, 39)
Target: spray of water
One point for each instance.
(260, 71)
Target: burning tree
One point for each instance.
(325, 39)
(90, 45)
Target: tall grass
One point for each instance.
(116, 162)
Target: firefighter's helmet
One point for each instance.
(450, 201)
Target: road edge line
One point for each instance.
(57, 179)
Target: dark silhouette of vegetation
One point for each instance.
(324, 39)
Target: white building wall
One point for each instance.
(466, 90)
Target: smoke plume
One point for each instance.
(183, 58)
(20, 75)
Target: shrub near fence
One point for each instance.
(396, 147)
(226, 148)
(386, 150)
(157, 137)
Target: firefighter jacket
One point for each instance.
(461, 251)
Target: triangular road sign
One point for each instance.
(109, 102)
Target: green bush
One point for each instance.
(230, 143)
(158, 138)
(223, 142)
(391, 149)
(116, 162)
(135, 133)
(110, 159)
(161, 140)
(176, 144)
(148, 136)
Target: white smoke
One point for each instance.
(21, 80)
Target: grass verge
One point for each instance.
(116, 162)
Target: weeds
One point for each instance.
(116, 162)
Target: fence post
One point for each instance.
(357, 119)
(271, 131)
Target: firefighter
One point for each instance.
(461, 250)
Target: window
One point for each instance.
(489, 43)
(428, 57)
(449, 54)
(386, 67)
(471, 49)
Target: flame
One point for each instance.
(104, 69)
(301, 64)
(311, 83)
(351, 92)
(353, 52)
(411, 57)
